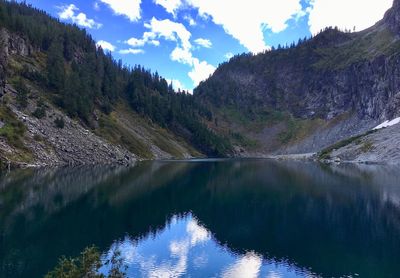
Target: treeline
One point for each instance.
(82, 77)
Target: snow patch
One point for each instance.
(388, 123)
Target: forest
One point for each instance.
(82, 77)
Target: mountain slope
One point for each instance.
(306, 97)
(58, 88)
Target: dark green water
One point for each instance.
(206, 219)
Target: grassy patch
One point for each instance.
(115, 134)
(367, 47)
(367, 147)
(243, 140)
(326, 153)
(254, 119)
(297, 129)
(162, 141)
(14, 131)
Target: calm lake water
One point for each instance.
(233, 218)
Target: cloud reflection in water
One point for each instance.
(186, 247)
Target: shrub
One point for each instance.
(88, 265)
(59, 122)
(40, 112)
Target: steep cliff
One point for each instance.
(306, 97)
(34, 131)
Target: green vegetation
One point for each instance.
(22, 93)
(116, 134)
(243, 140)
(369, 46)
(13, 130)
(367, 147)
(88, 265)
(82, 78)
(59, 122)
(40, 111)
(326, 153)
(297, 129)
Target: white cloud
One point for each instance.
(197, 233)
(174, 265)
(204, 42)
(176, 84)
(229, 55)
(105, 45)
(246, 21)
(346, 14)
(176, 32)
(69, 13)
(170, 6)
(170, 30)
(136, 42)
(190, 20)
(148, 38)
(200, 71)
(131, 51)
(182, 55)
(96, 6)
(128, 8)
(246, 267)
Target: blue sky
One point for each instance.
(185, 40)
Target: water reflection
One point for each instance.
(186, 248)
(206, 219)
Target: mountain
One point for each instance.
(65, 101)
(304, 97)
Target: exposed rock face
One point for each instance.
(70, 145)
(392, 17)
(332, 74)
(380, 147)
(11, 44)
(3, 59)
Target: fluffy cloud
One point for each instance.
(131, 51)
(176, 32)
(190, 20)
(69, 13)
(200, 71)
(148, 38)
(176, 84)
(169, 30)
(346, 14)
(203, 42)
(128, 8)
(182, 55)
(170, 6)
(246, 21)
(105, 45)
(229, 55)
(247, 266)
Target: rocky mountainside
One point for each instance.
(303, 98)
(64, 101)
(30, 139)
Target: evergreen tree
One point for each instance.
(55, 65)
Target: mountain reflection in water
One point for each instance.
(230, 218)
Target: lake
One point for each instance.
(214, 218)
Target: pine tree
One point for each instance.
(55, 65)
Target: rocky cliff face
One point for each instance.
(3, 60)
(329, 76)
(11, 44)
(42, 143)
